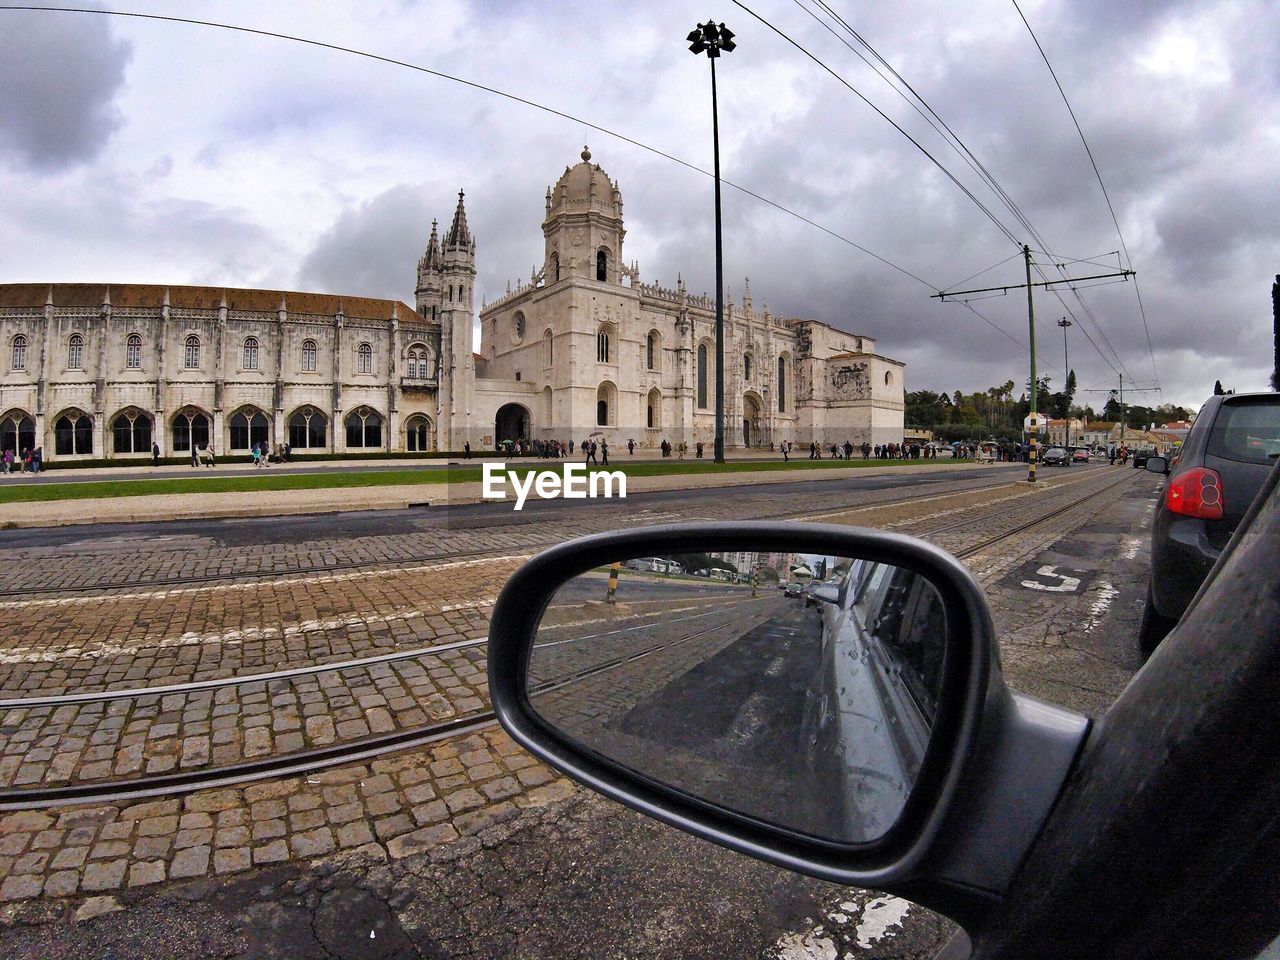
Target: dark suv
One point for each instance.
(1226, 457)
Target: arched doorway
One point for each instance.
(511, 423)
(751, 433)
(418, 434)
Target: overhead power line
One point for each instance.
(1097, 173)
(953, 140)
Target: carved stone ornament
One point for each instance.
(577, 239)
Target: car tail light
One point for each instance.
(1196, 493)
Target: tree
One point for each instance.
(1113, 411)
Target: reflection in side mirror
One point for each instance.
(1158, 464)
(696, 672)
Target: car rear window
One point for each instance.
(1247, 430)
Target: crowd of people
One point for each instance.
(28, 460)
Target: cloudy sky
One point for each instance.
(156, 152)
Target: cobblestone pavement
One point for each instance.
(399, 808)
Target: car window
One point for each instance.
(1247, 431)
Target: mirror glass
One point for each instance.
(794, 688)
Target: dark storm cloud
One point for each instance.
(372, 250)
(59, 77)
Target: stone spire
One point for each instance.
(431, 259)
(459, 235)
(746, 296)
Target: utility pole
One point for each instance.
(1066, 372)
(1031, 324)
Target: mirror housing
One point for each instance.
(992, 770)
(1158, 465)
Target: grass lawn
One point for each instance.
(19, 492)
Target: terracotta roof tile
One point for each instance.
(151, 296)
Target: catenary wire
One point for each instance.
(1097, 173)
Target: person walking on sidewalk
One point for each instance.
(604, 452)
(155, 454)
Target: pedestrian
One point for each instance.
(257, 456)
(208, 451)
(466, 450)
(684, 448)
(195, 454)
(631, 447)
(785, 449)
(835, 452)
(813, 450)
(848, 450)
(604, 452)
(7, 459)
(288, 452)
(586, 450)
(699, 450)
(1112, 454)
(37, 459)
(591, 452)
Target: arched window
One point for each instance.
(75, 351)
(17, 431)
(418, 434)
(131, 432)
(249, 427)
(191, 354)
(364, 428)
(364, 358)
(307, 429)
(133, 352)
(746, 366)
(250, 353)
(602, 346)
(548, 342)
(651, 351)
(606, 405)
(190, 429)
(73, 434)
(653, 410)
(309, 356)
(19, 352)
(782, 384)
(418, 363)
(702, 376)
(602, 265)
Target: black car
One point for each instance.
(1225, 459)
(1140, 457)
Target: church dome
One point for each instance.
(582, 188)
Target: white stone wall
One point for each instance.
(103, 385)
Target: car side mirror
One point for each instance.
(826, 594)
(1158, 464)
(835, 739)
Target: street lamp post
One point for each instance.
(1066, 373)
(711, 39)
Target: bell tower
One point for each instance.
(583, 228)
(453, 285)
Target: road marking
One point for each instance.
(1065, 583)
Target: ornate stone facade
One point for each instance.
(586, 346)
(95, 371)
(104, 371)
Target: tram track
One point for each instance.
(356, 750)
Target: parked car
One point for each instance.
(1145, 834)
(1054, 457)
(1140, 457)
(1080, 456)
(1225, 458)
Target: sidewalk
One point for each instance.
(190, 506)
